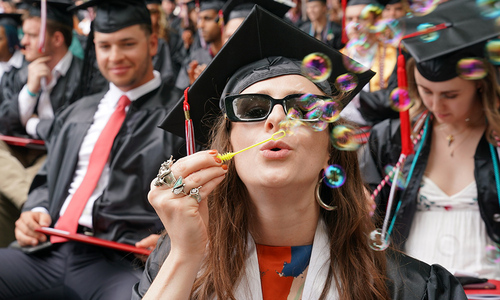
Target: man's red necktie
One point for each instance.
(98, 158)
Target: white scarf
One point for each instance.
(249, 287)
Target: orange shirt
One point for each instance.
(283, 271)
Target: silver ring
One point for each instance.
(165, 175)
(195, 193)
(178, 186)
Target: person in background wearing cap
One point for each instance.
(14, 179)
(23, 112)
(319, 26)
(265, 225)
(211, 33)
(107, 174)
(52, 76)
(449, 210)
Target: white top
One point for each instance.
(448, 230)
(104, 111)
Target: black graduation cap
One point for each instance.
(153, 1)
(211, 4)
(241, 8)
(361, 2)
(56, 10)
(22, 6)
(10, 20)
(113, 15)
(464, 31)
(261, 35)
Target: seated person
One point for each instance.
(272, 223)
(101, 159)
(448, 210)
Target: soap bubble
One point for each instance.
(316, 66)
(334, 176)
(344, 138)
(400, 99)
(471, 68)
(376, 241)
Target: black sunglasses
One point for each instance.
(257, 107)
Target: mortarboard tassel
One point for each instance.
(188, 125)
(344, 33)
(221, 21)
(43, 26)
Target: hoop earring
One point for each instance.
(318, 197)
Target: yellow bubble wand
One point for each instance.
(276, 136)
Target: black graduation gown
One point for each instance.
(10, 82)
(122, 213)
(162, 62)
(333, 36)
(408, 278)
(62, 95)
(384, 148)
(202, 56)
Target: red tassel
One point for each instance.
(221, 22)
(189, 128)
(404, 116)
(344, 34)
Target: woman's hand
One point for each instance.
(185, 219)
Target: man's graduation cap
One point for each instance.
(461, 32)
(56, 10)
(113, 15)
(241, 8)
(261, 35)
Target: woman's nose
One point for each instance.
(275, 117)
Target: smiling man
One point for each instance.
(103, 153)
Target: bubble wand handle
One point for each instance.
(276, 136)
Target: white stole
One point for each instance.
(249, 287)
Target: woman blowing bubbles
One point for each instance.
(254, 229)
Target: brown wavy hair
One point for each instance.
(356, 270)
(489, 95)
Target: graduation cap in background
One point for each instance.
(113, 15)
(153, 1)
(261, 35)
(13, 20)
(56, 10)
(211, 4)
(461, 31)
(241, 8)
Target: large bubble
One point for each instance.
(489, 9)
(493, 50)
(400, 99)
(334, 176)
(346, 82)
(317, 67)
(472, 68)
(422, 7)
(429, 37)
(344, 138)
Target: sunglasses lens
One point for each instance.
(251, 107)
